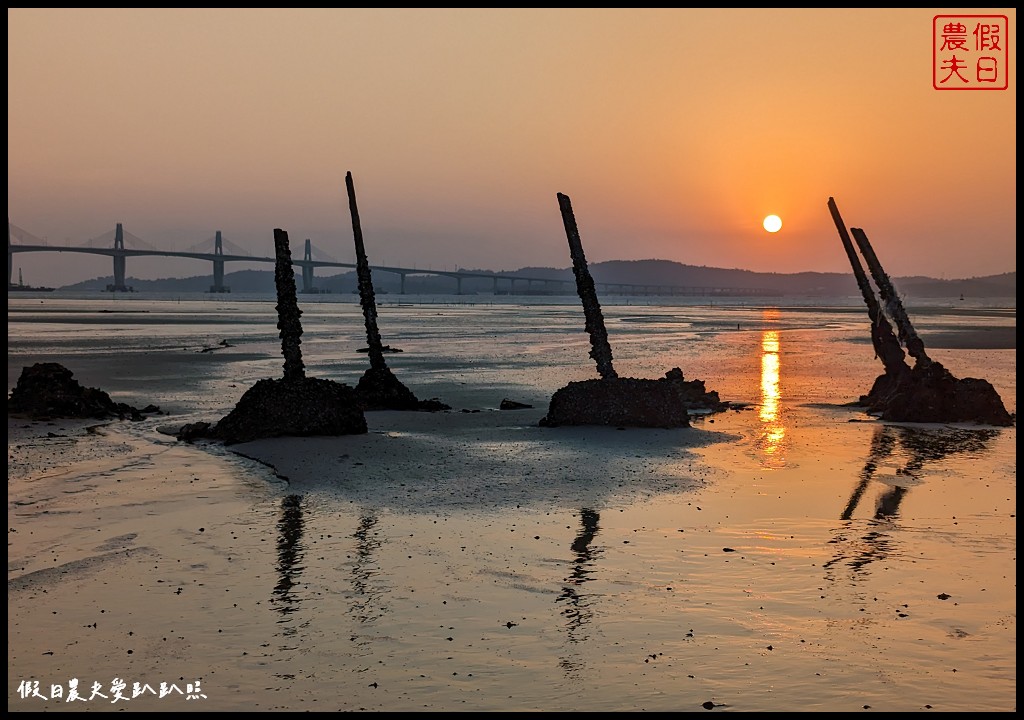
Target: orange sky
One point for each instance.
(674, 132)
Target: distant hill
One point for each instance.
(1004, 285)
(631, 272)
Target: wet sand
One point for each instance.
(790, 555)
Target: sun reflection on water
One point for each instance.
(771, 443)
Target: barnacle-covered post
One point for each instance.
(609, 399)
(893, 304)
(600, 350)
(378, 388)
(288, 309)
(295, 405)
(366, 295)
(886, 344)
(928, 392)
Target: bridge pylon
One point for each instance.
(307, 269)
(218, 266)
(119, 263)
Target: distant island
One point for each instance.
(627, 272)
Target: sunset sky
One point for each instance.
(673, 131)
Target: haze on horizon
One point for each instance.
(673, 131)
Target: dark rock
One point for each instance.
(631, 402)
(628, 402)
(507, 404)
(696, 394)
(433, 405)
(194, 431)
(932, 394)
(300, 407)
(218, 346)
(384, 348)
(49, 390)
(379, 389)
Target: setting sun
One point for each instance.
(773, 223)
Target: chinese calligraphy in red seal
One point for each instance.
(970, 52)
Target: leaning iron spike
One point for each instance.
(378, 388)
(600, 350)
(366, 295)
(887, 345)
(891, 299)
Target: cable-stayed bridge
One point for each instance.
(120, 245)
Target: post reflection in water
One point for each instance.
(771, 443)
(918, 445)
(290, 552)
(367, 599)
(578, 609)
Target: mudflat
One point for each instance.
(790, 554)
